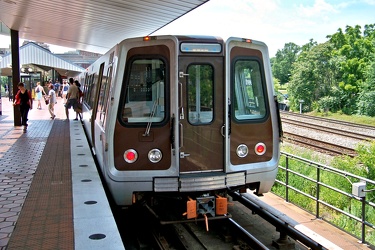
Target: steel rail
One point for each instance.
(281, 226)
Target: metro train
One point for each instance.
(183, 116)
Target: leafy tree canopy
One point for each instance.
(340, 71)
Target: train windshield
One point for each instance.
(249, 99)
(145, 92)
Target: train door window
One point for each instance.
(85, 85)
(200, 94)
(145, 91)
(249, 99)
(90, 88)
(93, 88)
(103, 97)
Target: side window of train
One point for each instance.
(248, 90)
(145, 91)
(103, 95)
(200, 94)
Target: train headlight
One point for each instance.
(130, 155)
(242, 150)
(155, 155)
(260, 148)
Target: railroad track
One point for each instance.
(247, 226)
(324, 135)
(302, 241)
(318, 145)
(350, 125)
(336, 131)
(219, 233)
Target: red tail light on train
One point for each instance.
(130, 155)
(260, 148)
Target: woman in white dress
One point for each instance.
(39, 91)
(52, 100)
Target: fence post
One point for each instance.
(287, 179)
(363, 200)
(317, 191)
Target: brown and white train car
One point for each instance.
(183, 115)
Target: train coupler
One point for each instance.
(209, 205)
(206, 206)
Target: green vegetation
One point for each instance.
(363, 165)
(336, 80)
(335, 76)
(359, 119)
(3, 80)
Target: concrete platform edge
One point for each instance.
(94, 224)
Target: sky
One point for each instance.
(275, 22)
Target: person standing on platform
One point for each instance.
(57, 87)
(72, 97)
(23, 98)
(80, 96)
(39, 91)
(52, 101)
(65, 91)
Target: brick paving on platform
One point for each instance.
(35, 181)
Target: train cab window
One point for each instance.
(145, 92)
(200, 94)
(249, 99)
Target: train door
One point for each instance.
(95, 103)
(250, 137)
(201, 115)
(102, 112)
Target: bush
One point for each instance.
(328, 103)
(366, 104)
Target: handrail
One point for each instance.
(319, 183)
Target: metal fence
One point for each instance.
(316, 181)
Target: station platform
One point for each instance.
(51, 196)
(327, 235)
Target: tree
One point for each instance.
(282, 63)
(314, 75)
(336, 75)
(356, 51)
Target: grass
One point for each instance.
(360, 119)
(347, 204)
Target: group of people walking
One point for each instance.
(71, 95)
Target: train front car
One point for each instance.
(196, 117)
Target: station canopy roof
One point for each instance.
(90, 25)
(34, 57)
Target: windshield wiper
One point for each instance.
(152, 114)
